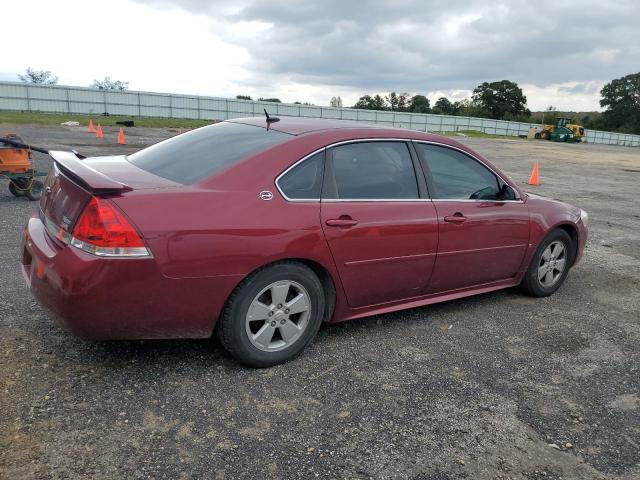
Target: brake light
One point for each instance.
(102, 230)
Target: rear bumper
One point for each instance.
(118, 298)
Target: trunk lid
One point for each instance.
(72, 181)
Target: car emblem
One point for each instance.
(266, 195)
(66, 221)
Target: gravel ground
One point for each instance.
(499, 386)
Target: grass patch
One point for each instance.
(475, 133)
(57, 118)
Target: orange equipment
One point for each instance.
(15, 165)
(91, 128)
(121, 137)
(99, 133)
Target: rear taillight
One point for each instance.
(102, 230)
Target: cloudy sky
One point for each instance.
(560, 52)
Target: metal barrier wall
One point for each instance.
(63, 99)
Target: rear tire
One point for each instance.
(550, 265)
(272, 315)
(19, 186)
(15, 190)
(35, 190)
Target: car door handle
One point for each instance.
(343, 221)
(456, 218)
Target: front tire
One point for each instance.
(550, 265)
(272, 315)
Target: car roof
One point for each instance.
(302, 125)
(346, 129)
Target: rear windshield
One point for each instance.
(200, 153)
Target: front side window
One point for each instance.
(371, 170)
(455, 175)
(304, 181)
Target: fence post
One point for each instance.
(66, 91)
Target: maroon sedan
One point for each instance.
(262, 230)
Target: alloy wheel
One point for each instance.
(552, 264)
(278, 316)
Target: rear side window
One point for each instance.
(200, 153)
(371, 170)
(304, 181)
(458, 176)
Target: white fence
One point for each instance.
(62, 99)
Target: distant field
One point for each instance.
(58, 118)
(475, 133)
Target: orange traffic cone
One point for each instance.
(534, 178)
(99, 132)
(91, 128)
(121, 137)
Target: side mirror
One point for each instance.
(507, 193)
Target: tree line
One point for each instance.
(505, 100)
(500, 100)
(45, 77)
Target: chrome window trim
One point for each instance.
(471, 200)
(464, 152)
(298, 200)
(337, 200)
(394, 139)
(336, 144)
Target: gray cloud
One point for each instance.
(427, 45)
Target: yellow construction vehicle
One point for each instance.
(562, 131)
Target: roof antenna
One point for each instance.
(270, 120)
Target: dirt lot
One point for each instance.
(499, 386)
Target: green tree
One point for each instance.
(468, 108)
(397, 102)
(367, 102)
(274, 100)
(335, 102)
(419, 104)
(243, 97)
(108, 84)
(500, 99)
(443, 106)
(41, 77)
(621, 98)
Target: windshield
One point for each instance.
(200, 153)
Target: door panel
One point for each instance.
(484, 230)
(384, 251)
(489, 245)
(382, 234)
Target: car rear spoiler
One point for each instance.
(72, 165)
